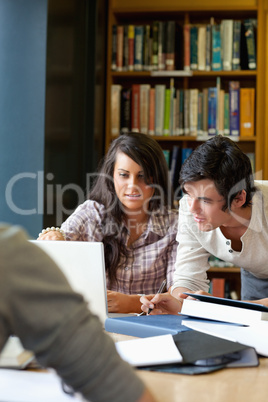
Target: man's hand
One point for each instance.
(162, 303)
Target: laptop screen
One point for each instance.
(83, 265)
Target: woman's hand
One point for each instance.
(122, 303)
(162, 303)
(52, 235)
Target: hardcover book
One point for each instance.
(247, 111)
(146, 325)
(170, 45)
(125, 125)
(236, 45)
(186, 41)
(131, 35)
(144, 107)
(155, 45)
(159, 108)
(135, 106)
(234, 109)
(161, 45)
(114, 47)
(193, 47)
(212, 111)
(120, 47)
(250, 25)
(216, 48)
(221, 309)
(201, 47)
(115, 109)
(227, 44)
(138, 47)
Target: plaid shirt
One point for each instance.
(149, 260)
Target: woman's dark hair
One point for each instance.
(220, 159)
(147, 153)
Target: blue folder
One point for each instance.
(146, 325)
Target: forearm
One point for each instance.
(176, 292)
(123, 303)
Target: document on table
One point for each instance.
(149, 351)
(29, 386)
(254, 335)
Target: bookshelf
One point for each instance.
(196, 13)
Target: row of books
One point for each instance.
(226, 45)
(221, 287)
(146, 47)
(168, 111)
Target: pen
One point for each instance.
(160, 290)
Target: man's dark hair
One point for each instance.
(220, 159)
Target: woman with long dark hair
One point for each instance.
(130, 209)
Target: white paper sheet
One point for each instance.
(29, 386)
(149, 351)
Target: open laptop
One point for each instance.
(83, 265)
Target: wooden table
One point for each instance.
(227, 385)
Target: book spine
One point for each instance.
(135, 112)
(234, 109)
(171, 112)
(138, 48)
(167, 112)
(193, 111)
(186, 111)
(250, 41)
(208, 48)
(155, 45)
(146, 48)
(161, 45)
(125, 48)
(175, 166)
(218, 287)
(166, 153)
(159, 108)
(144, 108)
(125, 125)
(201, 48)
(226, 114)
(115, 109)
(114, 47)
(216, 48)
(186, 42)
(236, 45)
(212, 110)
(131, 36)
(181, 111)
(227, 44)
(200, 115)
(221, 112)
(120, 46)
(193, 47)
(151, 129)
(185, 153)
(205, 112)
(170, 45)
(247, 111)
